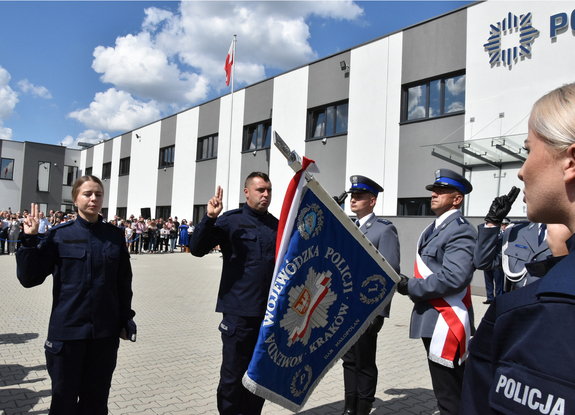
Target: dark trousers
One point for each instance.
(239, 338)
(81, 373)
(493, 279)
(447, 383)
(359, 367)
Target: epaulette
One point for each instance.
(384, 221)
(462, 221)
(62, 225)
(232, 212)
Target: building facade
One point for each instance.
(454, 91)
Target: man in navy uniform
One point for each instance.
(359, 366)
(247, 239)
(520, 243)
(442, 315)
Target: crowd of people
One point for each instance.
(153, 236)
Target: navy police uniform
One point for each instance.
(359, 363)
(447, 251)
(521, 357)
(521, 243)
(247, 240)
(92, 295)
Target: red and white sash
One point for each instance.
(453, 328)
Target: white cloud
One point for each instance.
(5, 132)
(115, 110)
(8, 98)
(38, 91)
(177, 59)
(456, 87)
(88, 136)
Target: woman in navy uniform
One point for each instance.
(92, 295)
(521, 359)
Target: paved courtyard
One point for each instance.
(173, 367)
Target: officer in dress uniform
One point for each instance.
(521, 242)
(247, 239)
(359, 366)
(444, 269)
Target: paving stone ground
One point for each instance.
(173, 368)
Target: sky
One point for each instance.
(87, 71)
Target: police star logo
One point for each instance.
(507, 27)
(310, 221)
(374, 289)
(308, 306)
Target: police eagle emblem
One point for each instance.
(310, 221)
(308, 306)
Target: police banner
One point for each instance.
(329, 284)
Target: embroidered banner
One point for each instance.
(329, 284)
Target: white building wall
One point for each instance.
(144, 169)
(114, 177)
(98, 160)
(11, 190)
(228, 172)
(185, 164)
(373, 123)
(511, 89)
(289, 121)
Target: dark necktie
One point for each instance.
(542, 232)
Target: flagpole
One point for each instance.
(227, 198)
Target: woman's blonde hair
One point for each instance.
(553, 117)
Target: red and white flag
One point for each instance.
(229, 64)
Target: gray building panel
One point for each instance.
(34, 153)
(435, 48)
(205, 181)
(331, 160)
(168, 131)
(258, 102)
(108, 150)
(416, 164)
(209, 118)
(125, 145)
(327, 82)
(164, 191)
(123, 187)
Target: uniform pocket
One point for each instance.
(517, 390)
(53, 346)
(72, 265)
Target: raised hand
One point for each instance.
(501, 206)
(31, 222)
(215, 204)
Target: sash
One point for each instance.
(453, 328)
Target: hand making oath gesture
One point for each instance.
(215, 204)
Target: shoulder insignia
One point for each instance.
(62, 225)
(384, 221)
(462, 221)
(232, 212)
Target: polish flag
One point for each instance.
(229, 63)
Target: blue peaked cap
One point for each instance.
(364, 184)
(451, 179)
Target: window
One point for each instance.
(44, 176)
(207, 147)
(70, 175)
(434, 98)
(414, 207)
(257, 136)
(163, 212)
(121, 212)
(124, 166)
(7, 166)
(88, 171)
(199, 212)
(328, 121)
(167, 157)
(106, 171)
